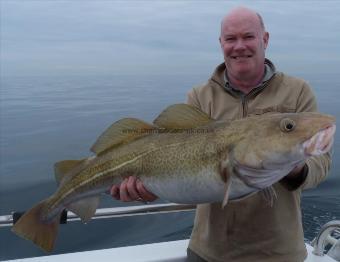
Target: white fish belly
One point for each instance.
(203, 187)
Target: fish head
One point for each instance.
(273, 145)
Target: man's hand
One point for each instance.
(131, 189)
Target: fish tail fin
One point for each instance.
(31, 227)
(269, 194)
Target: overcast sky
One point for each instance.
(149, 37)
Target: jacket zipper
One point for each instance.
(244, 108)
(244, 98)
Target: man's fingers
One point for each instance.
(114, 192)
(145, 195)
(124, 195)
(131, 188)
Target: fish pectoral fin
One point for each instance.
(85, 208)
(227, 192)
(30, 227)
(182, 116)
(122, 131)
(63, 168)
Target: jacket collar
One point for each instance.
(220, 76)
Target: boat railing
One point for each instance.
(68, 216)
(328, 237)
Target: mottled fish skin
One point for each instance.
(182, 161)
(185, 157)
(185, 167)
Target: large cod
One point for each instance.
(183, 157)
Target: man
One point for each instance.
(247, 84)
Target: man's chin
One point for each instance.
(242, 71)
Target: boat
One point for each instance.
(324, 248)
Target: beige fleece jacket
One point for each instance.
(251, 230)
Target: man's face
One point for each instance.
(243, 42)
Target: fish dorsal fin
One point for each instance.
(85, 208)
(63, 168)
(182, 116)
(122, 131)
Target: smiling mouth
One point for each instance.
(241, 56)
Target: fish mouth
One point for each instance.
(321, 142)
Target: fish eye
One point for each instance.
(287, 124)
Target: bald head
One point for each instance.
(243, 41)
(243, 13)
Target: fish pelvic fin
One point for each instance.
(85, 208)
(31, 227)
(121, 132)
(63, 168)
(182, 116)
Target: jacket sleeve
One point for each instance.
(317, 167)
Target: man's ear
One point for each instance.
(265, 39)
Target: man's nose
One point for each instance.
(239, 45)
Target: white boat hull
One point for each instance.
(173, 251)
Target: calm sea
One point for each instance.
(47, 119)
